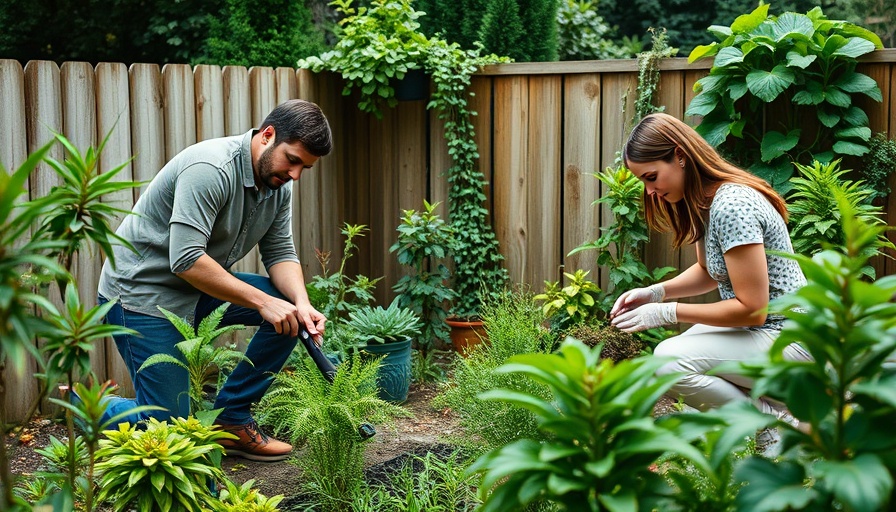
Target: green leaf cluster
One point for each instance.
(804, 61)
(815, 213)
(376, 45)
(244, 498)
(384, 325)
(583, 34)
(878, 164)
(206, 363)
(575, 303)
(601, 437)
(424, 240)
(163, 467)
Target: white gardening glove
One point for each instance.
(647, 316)
(637, 297)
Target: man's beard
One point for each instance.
(266, 171)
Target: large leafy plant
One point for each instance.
(845, 459)
(772, 73)
(575, 303)
(601, 437)
(164, 466)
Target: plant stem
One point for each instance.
(5, 474)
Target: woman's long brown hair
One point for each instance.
(657, 137)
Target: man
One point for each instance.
(206, 209)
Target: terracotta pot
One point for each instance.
(466, 335)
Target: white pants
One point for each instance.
(701, 348)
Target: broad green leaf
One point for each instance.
(772, 487)
(855, 47)
(702, 51)
(850, 148)
(792, 25)
(767, 85)
(797, 60)
(702, 104)
(859, 132)
(836, 97)
(861, 484)
(728, 56)
(855, 116)
(775, 144)
(854, 82)
(623, 501)
(748, 22)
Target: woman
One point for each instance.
(733, 218)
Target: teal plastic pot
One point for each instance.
(394, 377)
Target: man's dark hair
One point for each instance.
(302, 121)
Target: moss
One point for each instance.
(618, 345)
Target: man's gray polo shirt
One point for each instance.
(203, 201)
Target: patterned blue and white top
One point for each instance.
(741, 215)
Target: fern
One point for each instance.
(815, 222)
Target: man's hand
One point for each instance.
(283, 315)
(647, 316)
(314, 322)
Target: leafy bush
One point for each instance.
(801, 65)
(344, 294)
(243, 498)
(878, 164)
(844, 459)
(423, 241)
(575, 303)
(205, 363)
(583, 34)
(599, 435)
(164, 467)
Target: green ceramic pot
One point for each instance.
(394, 377)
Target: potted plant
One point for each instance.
(388, 332)
(378, 48)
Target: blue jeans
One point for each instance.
(167, 385)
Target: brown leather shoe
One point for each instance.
(253, 444)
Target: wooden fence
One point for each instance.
(542, 129)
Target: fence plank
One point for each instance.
(78, 84)
(21, 388)
(511, 171)
(619, 92)
(208, 82)
(113, 120)
(178, 107)
(543, 182)
(147, 123)
(481, 103)
(43, 106)
(581, 147)
(237, 105)
(285, 85)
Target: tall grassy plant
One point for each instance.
(845, 394)
(325, 417)
(513, 324)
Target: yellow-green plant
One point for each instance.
(164, 467)
(205, 362)
(243, 498)
(575, 303)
